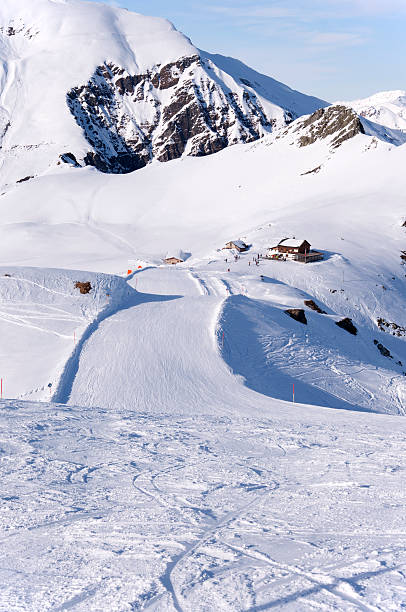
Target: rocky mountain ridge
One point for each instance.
(335, 125)
(135, 90)
(128, 122)
(132, 90)
(185, 107)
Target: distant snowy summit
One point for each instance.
(387, 108)
(91, 84)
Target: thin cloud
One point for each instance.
(294, 22)
(272, 12)
(369, 7)
(319, 9)
(348, 39)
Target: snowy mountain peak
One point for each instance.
(387, 108)
(122, 90)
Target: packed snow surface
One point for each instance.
(246, 505)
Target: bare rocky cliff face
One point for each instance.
(339, 123)
(172, 110)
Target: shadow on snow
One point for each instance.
(246, 356)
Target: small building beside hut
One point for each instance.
(238, 245)
(174, 257)
(294, 249)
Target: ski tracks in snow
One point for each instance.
(201, 512)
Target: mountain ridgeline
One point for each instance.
(183, 107)
(124, 90)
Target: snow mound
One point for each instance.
(43, 316)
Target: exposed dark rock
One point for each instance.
(314, 171)
(298, 314)
(392, 328)
(123, 163)
(26, 178)
(14, 29)
(200, 116)
(383, 350)
(246, 82)
(69, 158)
(84, 288)
(339, 121)
(313, 306)
(348, 325)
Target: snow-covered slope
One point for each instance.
(121, 89)
(43, 320)
(387, 108)
(290, 184)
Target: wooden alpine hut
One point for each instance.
(294, 249)
(238, 245)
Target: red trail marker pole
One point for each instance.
(222, 341)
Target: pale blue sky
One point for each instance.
(334, 49)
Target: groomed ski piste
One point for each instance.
(167, 467)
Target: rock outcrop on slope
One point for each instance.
(338, 122)
(335, 125)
